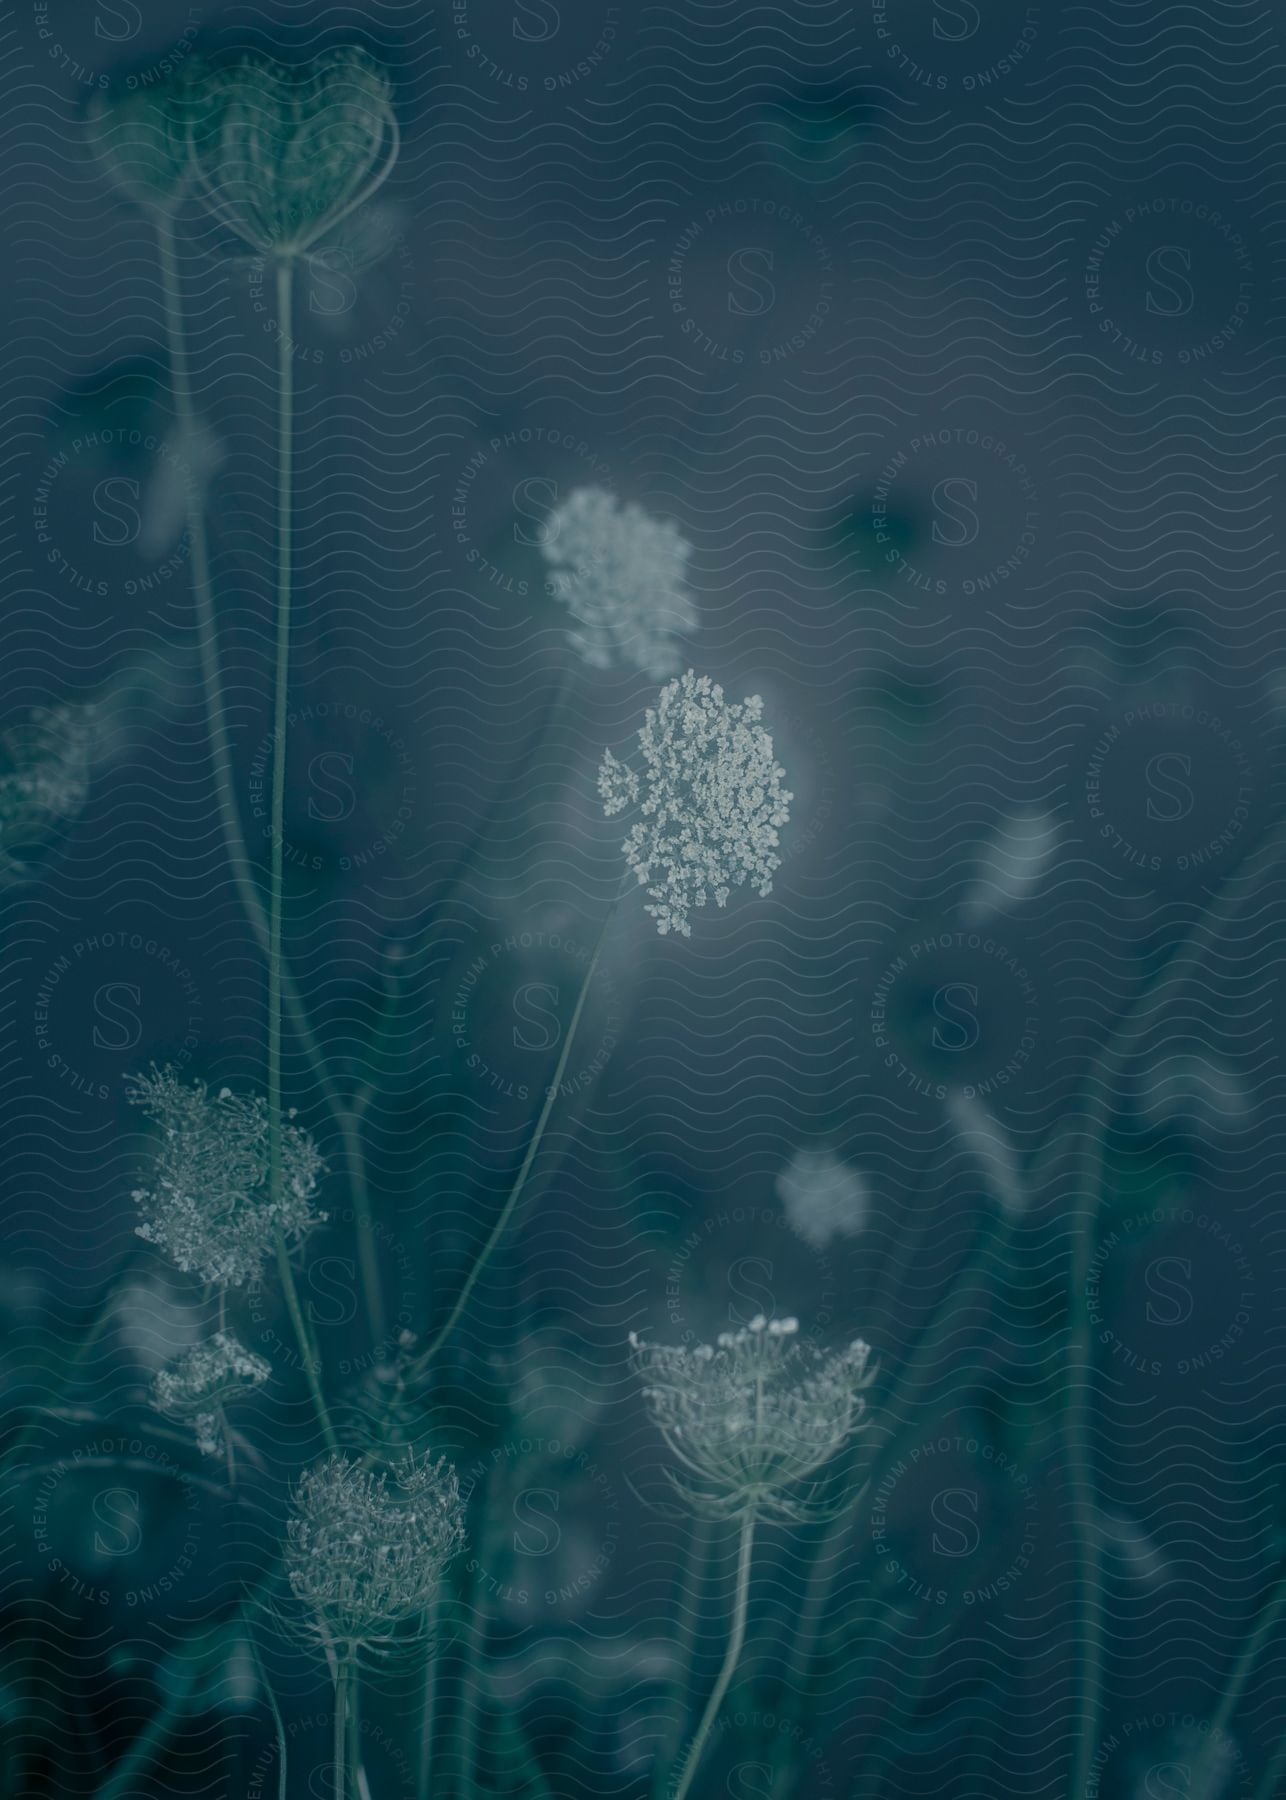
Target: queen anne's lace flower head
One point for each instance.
(284, 154)
(823, 1197)
(710, 799)
(622, 575)
(209, 1205)
(754, 1415)
(204, 1381)
(363, 1557)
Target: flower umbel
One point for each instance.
(209, 1205)
(364, 1558)
(822, 1196)
(284, 154)
(142, 136)
(754, 1415)
(622, 575)
(200, 1386)
(710, 797)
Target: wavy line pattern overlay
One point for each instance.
(643, 863)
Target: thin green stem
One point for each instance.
(691, 1584)
(307, 1353)
(1244, 1667)
(537, 1137)
(277, 844)
(427, 1721)
(202, 586)
(1269, 1782)
(221, 753)
(341, 1728)
(732, 1656)
(273, 1706)
(736, 1640)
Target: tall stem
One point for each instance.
(307, 1351)
(1235, 1687)
(691, 1584)
(277, 847)
(276, 879)
(1274, 1769)
(428, 1700)
(736, 1639)
(221, 759)
(537, 1136)
(341, 1723)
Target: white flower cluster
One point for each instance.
(209, 1205)
(204, 1381)
(622, 575)
(823, 1197)
(710, 797)
(365, 1559)
(753, 1415)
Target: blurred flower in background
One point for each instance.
(199, 1387)
(623, 577)
(48, 758)
(822, 1196)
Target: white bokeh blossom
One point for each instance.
(364, 1557)
(822, 1196)
(710, 800)
(209, 1203)
(198, 1388)
(622, 575)
(753, 1416)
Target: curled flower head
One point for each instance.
(621, 574)
(710, 800)
(209, 1205)
(202, 1383)
(284, 154)
(142, 135)
(365, 1558)
(822, 1196)
(753, 1416)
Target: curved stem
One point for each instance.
(736, 1639)
(691, 1584)
(537, 1137)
